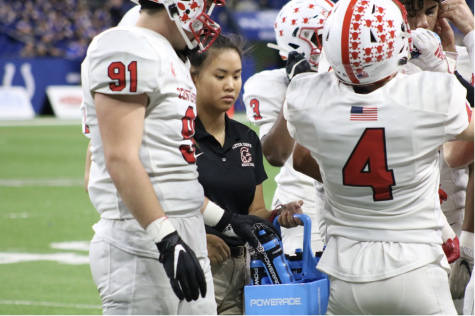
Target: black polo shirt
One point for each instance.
(229, 174)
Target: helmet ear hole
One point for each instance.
(295, 46)
(294, 33)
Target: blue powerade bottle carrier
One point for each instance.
(306, 296)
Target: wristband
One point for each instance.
(159, 229)
(466, 239)
(212, 214)
(447, 232)
(277, 211)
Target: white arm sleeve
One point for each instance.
(122, 62)
(468, 42)
(264, 95)
(457, 116)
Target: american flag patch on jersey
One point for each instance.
(359, 113)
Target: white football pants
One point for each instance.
(468, 300)
(134, 285)
(423, 291)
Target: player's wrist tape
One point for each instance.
(212, 214)
(447, 232)
(159, 229)
(466, 239)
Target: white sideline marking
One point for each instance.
(41, 182)
(51, 121)
(65, 257)
(53, 304)
(18, 215)
(72, 245)
(40, 122)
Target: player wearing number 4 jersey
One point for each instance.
(140, 106)
(375, 135)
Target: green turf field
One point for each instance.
(43, 208)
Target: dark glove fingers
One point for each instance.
(177, 289)
(193, 283)
(292, 56)
(199, 274)
(182, 277)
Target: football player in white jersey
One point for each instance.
(375, 135)
(140, 105)
(298, 27)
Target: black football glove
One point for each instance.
(182, 267)
(246, 227)
(296, 64)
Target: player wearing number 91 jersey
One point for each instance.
(140, 105)
(149, 66)
(375, 135)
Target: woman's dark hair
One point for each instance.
(222, 42)
(151, 6)
(412, 6)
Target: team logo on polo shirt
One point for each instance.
(246, 156)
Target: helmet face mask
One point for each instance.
(366, 40)
(312, 38)
(298, 26)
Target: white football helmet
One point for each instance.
(298, 26)
(191, 15)
(366, 40)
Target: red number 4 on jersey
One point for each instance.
(368, 165)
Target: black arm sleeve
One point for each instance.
(467, 86)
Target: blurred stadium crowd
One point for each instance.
(64, 28)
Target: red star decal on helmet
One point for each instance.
(275, 25)
(281, 33)
(305, 20)
(296, 10)
(283, 19)
(294, 21)
(311, 6)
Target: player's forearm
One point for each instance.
(458, 154)
(277, 145)
(469, 203)
(304, 163)
(135, 189)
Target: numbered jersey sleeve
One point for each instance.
(264, 95)
(122, 62)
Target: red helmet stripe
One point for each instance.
(345, 42)
(330, 3)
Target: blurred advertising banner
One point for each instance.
(65, 101)
(257, 25)
(35, 74)
(15, 104)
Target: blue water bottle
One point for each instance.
(273, 258)
(258, 271)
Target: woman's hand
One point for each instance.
(218, 251)
(286, 218)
